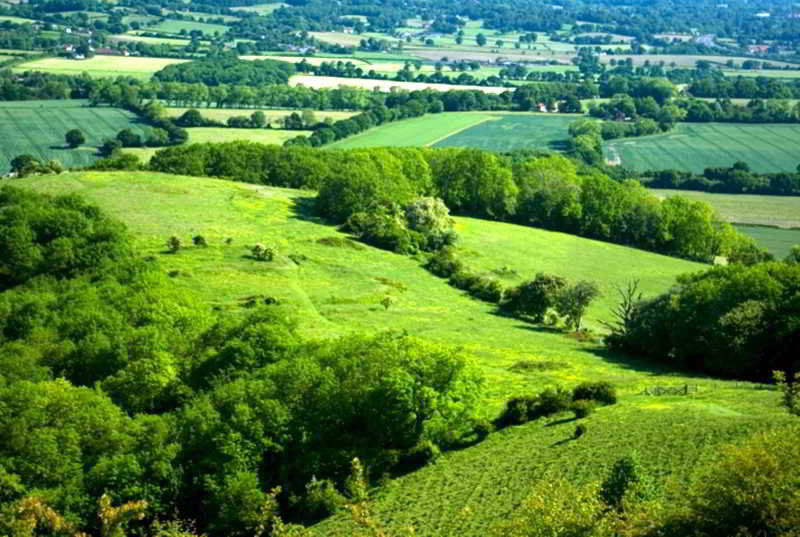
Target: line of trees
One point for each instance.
(738, 179)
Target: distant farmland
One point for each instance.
(38, 128)
(695, 146)
(318, 82)
(100, 66)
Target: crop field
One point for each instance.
(696, 146)
(38, 128)
(514, 131)
(273, 115)
(776, 211)
(337, 289)
(100, 66)
(318, 82)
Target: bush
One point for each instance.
(321, 500)
(582, 408)
(486, 289)
(533, 298)
(384, 228)
(199, 240)
(423, 453)
(601, 392)
(444, 263)
(627, 479)
(516, 411)
(262, 253)
(580, 430)
(174, 244)
(549, 402)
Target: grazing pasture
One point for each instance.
(777, 241)
(273, 115)
(334, 290)
(100, 66)
(175, 27)
(38, 128)
(696, 146)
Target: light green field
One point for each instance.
(132, 37)
(201, 15)
(262, 9)
(420, 131)
(318, 82)
(768, 73)
(16, 20)
(273, 116)
(782, 211)
(175, 27)
(336, 290)
(38, 128)
(199, 135)
(100, 66)
(696, 146)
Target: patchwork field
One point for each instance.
(335, 290)
(318, 82)
(100, 66)
(696, 146)
(38, 128)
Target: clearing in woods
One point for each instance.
(335, 290)
(38, 128)
(769, 147)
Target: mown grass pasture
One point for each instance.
(335, 287)
(261, 9)
(777, 241)
(273, 115)
(696, 146)
(38, 128)
(100, 66)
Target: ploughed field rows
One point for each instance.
(335, 286)
(38, 128)
(696, 146)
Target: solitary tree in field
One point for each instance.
(74, 138)
(572, 302)
(480, 39)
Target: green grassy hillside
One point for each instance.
(337, 289)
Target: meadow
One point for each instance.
(261, 9)
(336, 290)
(100, 66)
(273, 115)
(696, 146)
(176, 27)
(38, 128)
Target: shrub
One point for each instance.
(423, 453)
(549, 402)
(262, 253)
(601, 392)
(321, 500)
(580, 430)
(582, 408)
(174, 244)
(516, 411)
(533, 298)
(431, 218)
(199, 240)
(486, 289)
(626, 479)
(444, 263)
(384, 227)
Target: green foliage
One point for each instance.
(580, 430)
(600, 391)
(573, 301)
(790, 390)
(533, 298)
(627, 481)
(74, 138)
(262, 253)
(321, 499)
(582, 408)
(174, 244)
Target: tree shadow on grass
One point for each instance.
(302, 208)
(558, 145)
(642, 365)
(561, 421)
(562, 442)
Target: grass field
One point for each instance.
(175, 27)
(151, 40)
(38, 128)
(199, 135)
(318, 82)
(273, 115)
(337, 290)
(777, 241)
(262, 9)
(696, 146)
(100, 66)
(419, 131)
